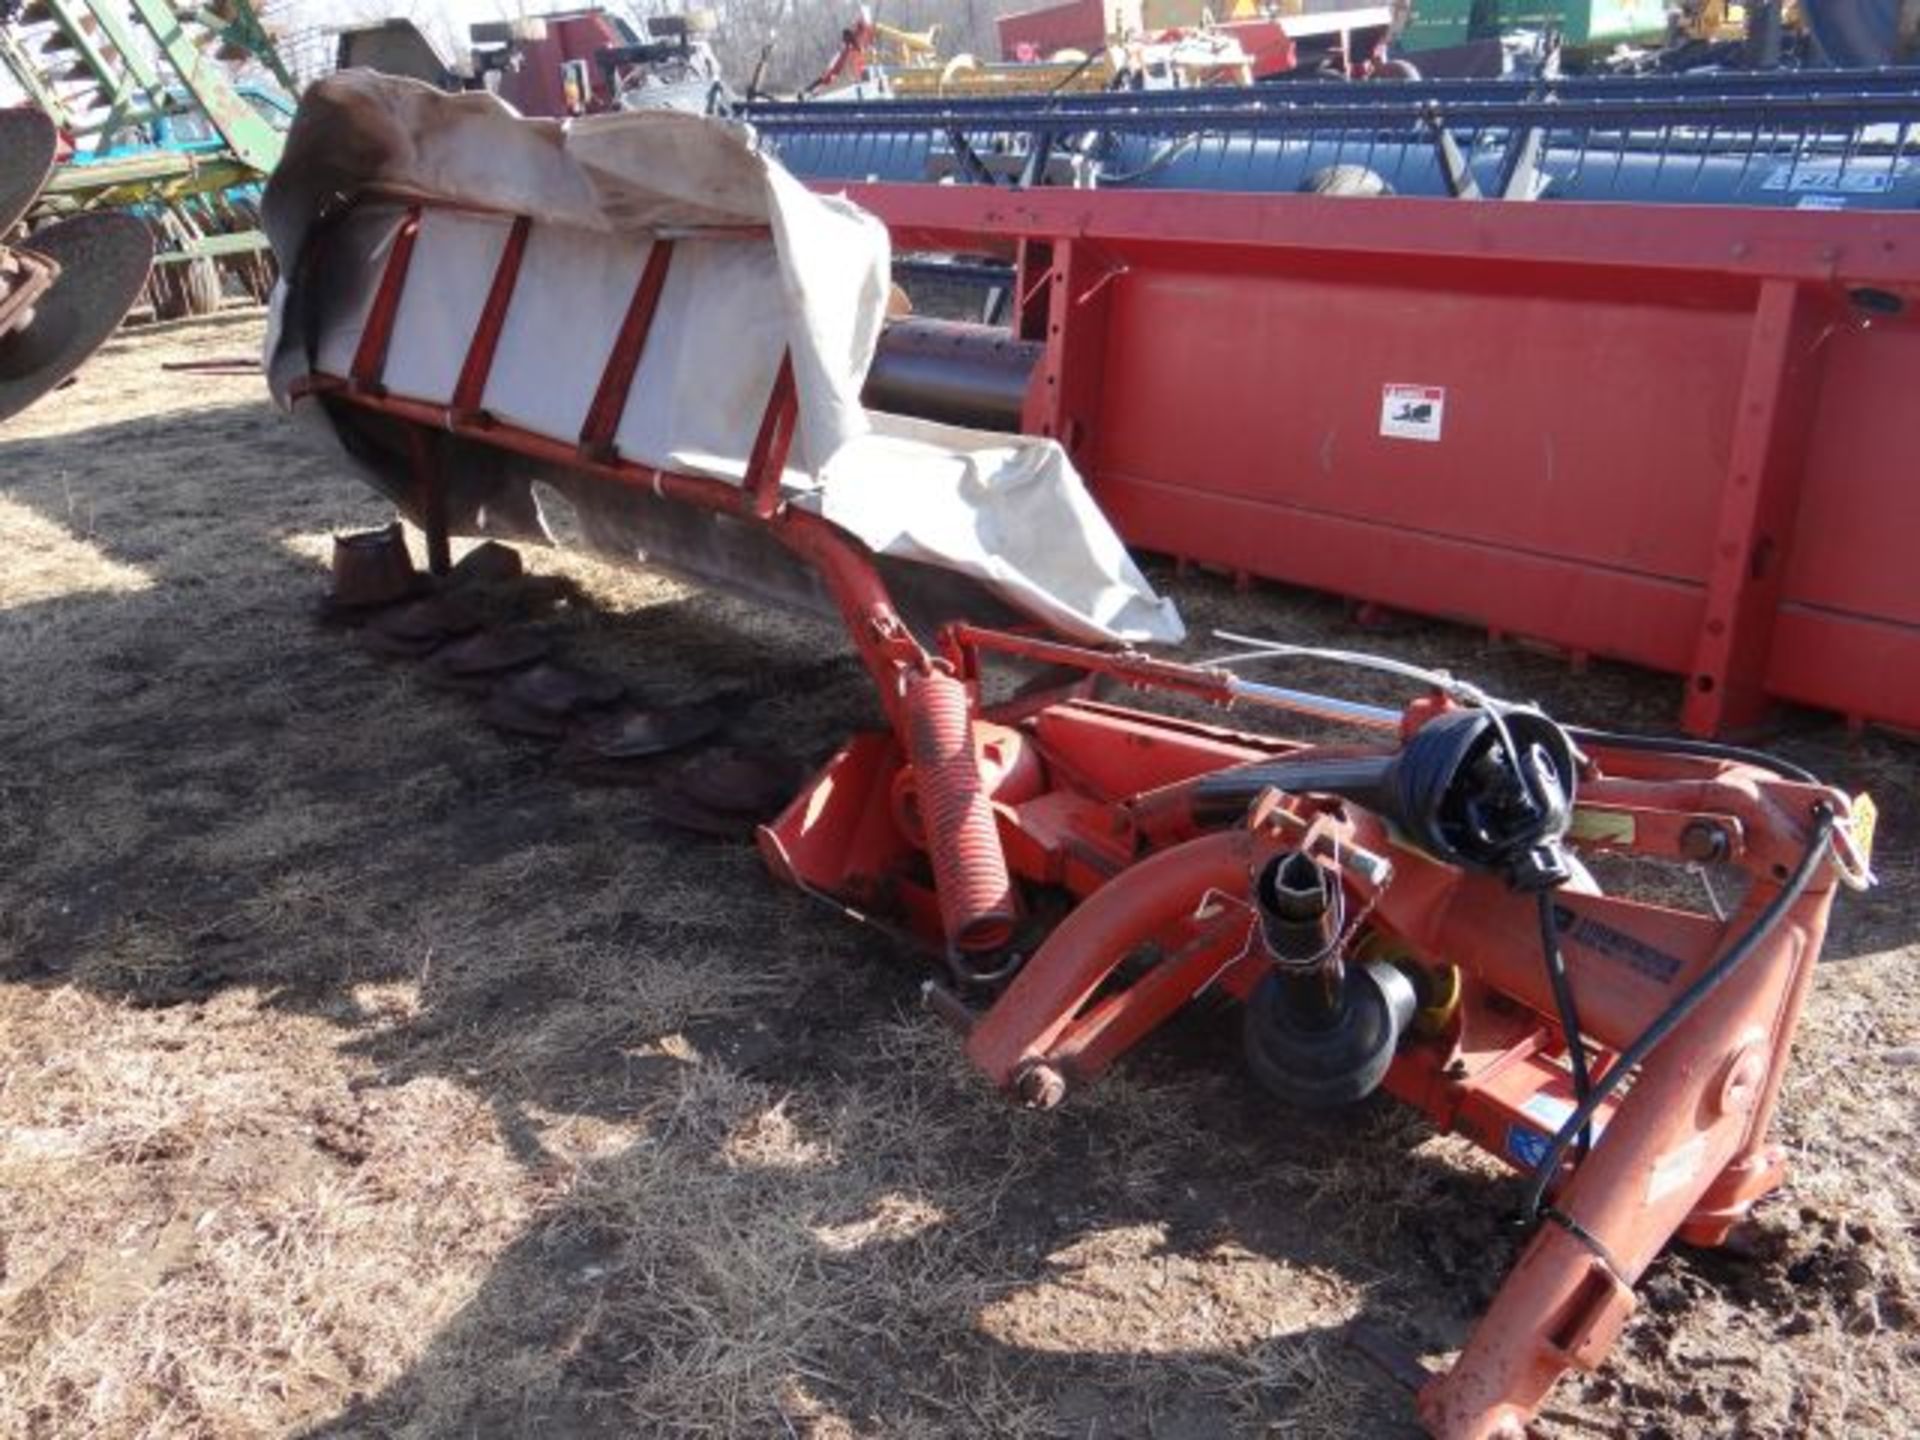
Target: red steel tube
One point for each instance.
(963, 839)
(1027, 1022)
(370, 356)
(1694, 1108)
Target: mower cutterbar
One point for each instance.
(1179, 858)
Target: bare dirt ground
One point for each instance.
(361, 1076)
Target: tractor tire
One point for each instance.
(201, 285)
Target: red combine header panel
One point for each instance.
(1075, 25)
(1647, 434)
(1670, 431)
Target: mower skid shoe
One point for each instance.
(1698, 1109)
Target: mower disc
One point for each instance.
(28, 142)
(103, 262)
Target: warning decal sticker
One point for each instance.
(1412, 412)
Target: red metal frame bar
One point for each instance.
(773, 442)
(883, 640)
(471, 390)
(963, 644)
(1691, 243)
(1748, 566)
(370, 356)
(610, 400)
(1059, 286)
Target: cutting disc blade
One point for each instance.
(103, 263)
(27, 143)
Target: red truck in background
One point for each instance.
(1348, 41)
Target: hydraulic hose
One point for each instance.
(1563, 1002)
(1704, 749)
(1675, 1014)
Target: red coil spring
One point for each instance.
(963, 841)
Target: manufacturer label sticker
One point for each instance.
(1675, 1168)
(1630, 950)
(1412, 412)
(1830, 179)
(1527, 1147)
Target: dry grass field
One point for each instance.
(362, 1076)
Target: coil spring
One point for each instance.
(963, 841)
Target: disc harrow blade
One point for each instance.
(103, 260)
(28, 142)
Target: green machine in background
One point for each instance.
(147, 97)
(1441, 35)
(1581, 24)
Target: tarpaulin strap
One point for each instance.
(370, 359)
(610, 400)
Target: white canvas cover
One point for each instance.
(761, 267)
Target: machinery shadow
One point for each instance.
(943, 1330)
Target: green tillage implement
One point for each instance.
(1582, 24)
(144, 92)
